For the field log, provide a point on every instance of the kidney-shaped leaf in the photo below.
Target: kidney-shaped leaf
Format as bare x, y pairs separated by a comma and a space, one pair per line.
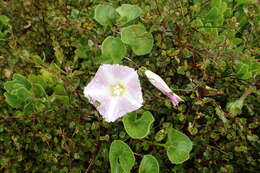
138, 128
105, 14
149, 164
113, 48
138, 38
121, 157
128, 13
178, 146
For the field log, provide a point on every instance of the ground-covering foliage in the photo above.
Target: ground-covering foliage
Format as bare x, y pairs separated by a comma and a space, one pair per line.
206, 50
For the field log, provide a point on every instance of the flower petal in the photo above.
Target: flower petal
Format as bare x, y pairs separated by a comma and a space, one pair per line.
120, 72
112, 107
99, 82
159, 83
175, 99
121, 108
134, 91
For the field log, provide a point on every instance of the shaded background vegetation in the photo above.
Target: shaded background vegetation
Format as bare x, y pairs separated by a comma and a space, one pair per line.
205, 50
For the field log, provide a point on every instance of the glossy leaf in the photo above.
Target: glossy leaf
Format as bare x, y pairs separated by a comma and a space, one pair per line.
105, 14
37, 79
121, 157
138, 128
235, 108
113, 48
22, 80
178, 146
38, 90
149, 164
128, 13
12, 100
246, 69
11, 85
4, 20
29, 108
21, 93
61, 99
138, 38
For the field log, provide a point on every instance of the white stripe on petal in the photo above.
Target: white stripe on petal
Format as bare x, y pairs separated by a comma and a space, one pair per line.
134, 101
111, 114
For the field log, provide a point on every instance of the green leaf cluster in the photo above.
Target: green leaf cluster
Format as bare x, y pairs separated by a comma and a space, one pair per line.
136, 36
30, 94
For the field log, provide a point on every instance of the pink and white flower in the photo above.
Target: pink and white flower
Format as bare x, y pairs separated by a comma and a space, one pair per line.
114, 91
159, 83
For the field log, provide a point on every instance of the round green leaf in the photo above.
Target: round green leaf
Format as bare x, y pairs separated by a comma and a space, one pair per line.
12, 85
149, 164
128, 13
138, 128
235, 108
17, 82
28, 108
22, 80
22, 93
121, 157
246, 69
113, 48
4, 20
105, 14
61, 99
12, 100
138, 38
37, 79
178, 146
38, 90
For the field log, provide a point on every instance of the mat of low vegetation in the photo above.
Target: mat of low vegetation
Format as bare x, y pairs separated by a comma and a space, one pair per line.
203, 55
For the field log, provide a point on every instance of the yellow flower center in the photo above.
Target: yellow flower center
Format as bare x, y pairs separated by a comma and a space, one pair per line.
118, 89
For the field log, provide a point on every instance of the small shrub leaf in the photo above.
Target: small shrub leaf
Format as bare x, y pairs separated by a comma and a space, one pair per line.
12, 100
22, 80
235, 108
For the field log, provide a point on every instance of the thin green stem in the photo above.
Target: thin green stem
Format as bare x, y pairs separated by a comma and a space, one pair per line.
155, 143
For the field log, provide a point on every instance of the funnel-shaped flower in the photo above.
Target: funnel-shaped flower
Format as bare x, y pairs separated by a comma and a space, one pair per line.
114, 91
159, 83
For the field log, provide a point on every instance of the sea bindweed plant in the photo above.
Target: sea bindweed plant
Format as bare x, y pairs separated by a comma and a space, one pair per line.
115, 91
205, 49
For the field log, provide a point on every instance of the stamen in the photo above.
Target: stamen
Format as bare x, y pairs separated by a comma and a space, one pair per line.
118, 89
